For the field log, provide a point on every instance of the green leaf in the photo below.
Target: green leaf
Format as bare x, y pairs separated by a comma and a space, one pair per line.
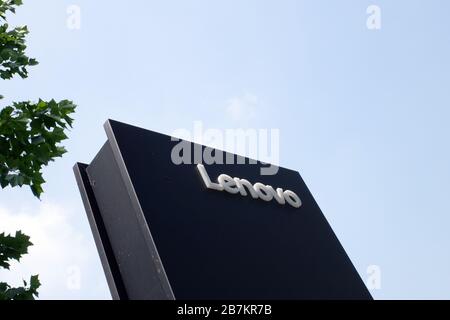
20, 293
13, 247
37, 139
13, 59
30, 138
34, 282
37, 190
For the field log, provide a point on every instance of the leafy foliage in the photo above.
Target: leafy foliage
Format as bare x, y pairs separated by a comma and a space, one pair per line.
30, 134
12, 248
8, 5
27, 292
30, 137
13, 59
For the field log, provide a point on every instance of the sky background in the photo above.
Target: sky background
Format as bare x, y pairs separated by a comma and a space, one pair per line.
363, 116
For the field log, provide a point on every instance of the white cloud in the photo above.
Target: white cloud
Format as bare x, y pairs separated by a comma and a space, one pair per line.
63, 255
243, 107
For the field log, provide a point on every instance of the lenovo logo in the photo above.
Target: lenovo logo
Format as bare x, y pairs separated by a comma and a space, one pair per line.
244, 187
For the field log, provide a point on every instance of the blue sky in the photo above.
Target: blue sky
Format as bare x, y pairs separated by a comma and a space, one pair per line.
363, 116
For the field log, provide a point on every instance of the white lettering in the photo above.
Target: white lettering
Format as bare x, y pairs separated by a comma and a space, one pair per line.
228, 184
242, 186
207, 180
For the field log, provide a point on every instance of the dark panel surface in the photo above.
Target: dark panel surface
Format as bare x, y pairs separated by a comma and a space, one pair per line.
215, 245
109, 263
138, 265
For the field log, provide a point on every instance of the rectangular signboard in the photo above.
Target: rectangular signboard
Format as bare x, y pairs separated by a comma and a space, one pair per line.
207, 231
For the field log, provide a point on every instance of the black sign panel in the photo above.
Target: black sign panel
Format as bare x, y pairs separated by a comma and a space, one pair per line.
162, 234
